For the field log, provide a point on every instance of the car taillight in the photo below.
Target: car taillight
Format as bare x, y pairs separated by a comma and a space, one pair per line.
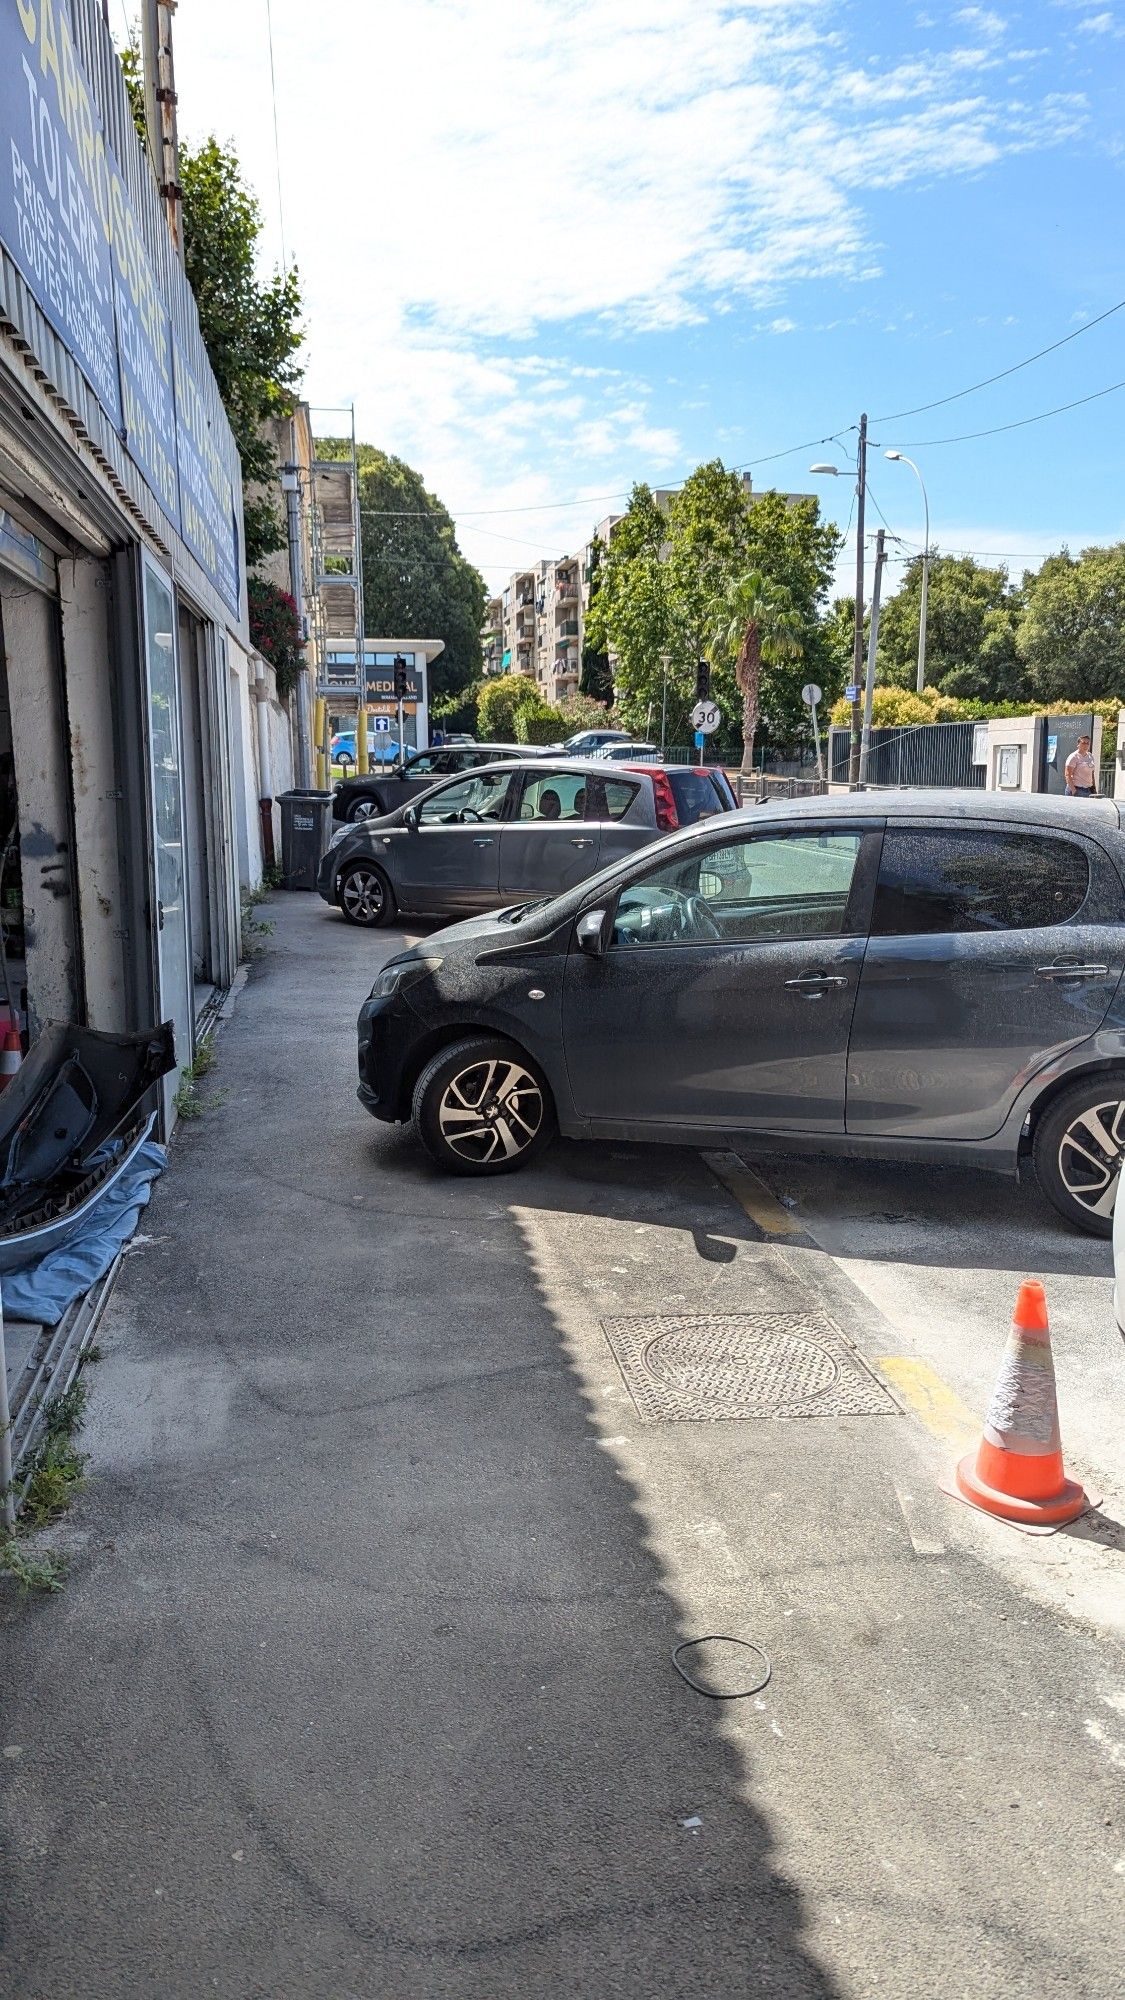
663, 797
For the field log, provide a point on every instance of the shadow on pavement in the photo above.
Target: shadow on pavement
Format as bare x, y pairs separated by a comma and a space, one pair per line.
362, 1681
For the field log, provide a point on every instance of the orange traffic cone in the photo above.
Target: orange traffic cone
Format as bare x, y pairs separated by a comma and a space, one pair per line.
1017, 1472
11, 1055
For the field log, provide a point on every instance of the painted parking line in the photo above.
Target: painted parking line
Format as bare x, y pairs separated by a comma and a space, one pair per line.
752, 1195
921, 1388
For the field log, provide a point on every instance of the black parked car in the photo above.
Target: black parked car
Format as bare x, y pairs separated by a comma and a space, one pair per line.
926, 975
508, 833
384, 791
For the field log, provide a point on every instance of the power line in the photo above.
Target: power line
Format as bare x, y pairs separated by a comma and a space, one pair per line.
966, 437
941, 401
276, 141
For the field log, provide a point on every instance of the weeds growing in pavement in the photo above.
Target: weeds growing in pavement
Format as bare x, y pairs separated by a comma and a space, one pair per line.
59, 1472
254, 929
187, 1101
46, 1572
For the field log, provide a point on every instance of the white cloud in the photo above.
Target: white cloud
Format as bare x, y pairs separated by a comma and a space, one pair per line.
982, 19
462, 177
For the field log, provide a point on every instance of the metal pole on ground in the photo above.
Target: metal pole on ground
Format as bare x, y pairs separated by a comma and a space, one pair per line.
856, 690
7, 1493
869, 687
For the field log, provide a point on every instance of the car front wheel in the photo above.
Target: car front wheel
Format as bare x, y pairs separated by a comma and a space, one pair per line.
365, 895
362, 808
1078, 1150
482, 1107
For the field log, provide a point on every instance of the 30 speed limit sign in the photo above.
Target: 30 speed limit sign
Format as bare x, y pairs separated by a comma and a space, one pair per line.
706, 717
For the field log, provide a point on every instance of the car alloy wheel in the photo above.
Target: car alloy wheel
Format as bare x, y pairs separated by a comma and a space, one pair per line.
1090, 1153
490, 1111
362, 809
363, 895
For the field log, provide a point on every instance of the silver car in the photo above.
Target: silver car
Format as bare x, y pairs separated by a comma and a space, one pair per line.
510, 833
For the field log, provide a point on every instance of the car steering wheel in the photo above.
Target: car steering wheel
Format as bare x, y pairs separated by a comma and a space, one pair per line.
697, 919
469, 816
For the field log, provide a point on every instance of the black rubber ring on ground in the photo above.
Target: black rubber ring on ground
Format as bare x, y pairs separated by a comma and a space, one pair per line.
723, 1639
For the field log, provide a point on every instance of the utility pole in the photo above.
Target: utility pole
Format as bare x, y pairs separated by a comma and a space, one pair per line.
869, 688
160, 111
291, 487
857, 646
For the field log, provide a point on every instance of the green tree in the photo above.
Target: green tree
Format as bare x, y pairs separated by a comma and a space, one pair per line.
755, 625
499, 704
971, 624
416, 582
665, 573
595, 679
791, 547
635, 614
1072, 632
251, 329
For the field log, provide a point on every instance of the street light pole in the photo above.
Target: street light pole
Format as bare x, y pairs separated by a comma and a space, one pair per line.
901, 458
857, 648
869, 684
857, 641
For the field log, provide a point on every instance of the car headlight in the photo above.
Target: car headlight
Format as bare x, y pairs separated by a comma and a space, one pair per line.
340, 834
400, 973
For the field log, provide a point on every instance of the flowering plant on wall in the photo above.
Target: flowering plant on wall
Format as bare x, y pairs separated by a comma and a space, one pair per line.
275, 630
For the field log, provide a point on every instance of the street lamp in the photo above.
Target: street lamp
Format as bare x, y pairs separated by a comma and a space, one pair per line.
833, 471
901, 458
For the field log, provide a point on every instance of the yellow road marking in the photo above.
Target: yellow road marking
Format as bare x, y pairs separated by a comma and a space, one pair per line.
752, 1194
923, 1390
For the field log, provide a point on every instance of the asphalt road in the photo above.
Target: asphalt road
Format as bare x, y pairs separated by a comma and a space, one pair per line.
362, 1684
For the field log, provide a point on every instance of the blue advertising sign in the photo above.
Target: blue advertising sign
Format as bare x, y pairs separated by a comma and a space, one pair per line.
55, 200
147, 400
207, 508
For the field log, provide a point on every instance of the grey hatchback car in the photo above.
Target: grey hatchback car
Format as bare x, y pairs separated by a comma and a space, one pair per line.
509, 832
932, 976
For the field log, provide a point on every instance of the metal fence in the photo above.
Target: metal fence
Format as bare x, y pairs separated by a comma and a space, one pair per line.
927, 753
766, 785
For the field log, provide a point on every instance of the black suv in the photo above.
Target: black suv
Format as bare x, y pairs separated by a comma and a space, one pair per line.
383, 792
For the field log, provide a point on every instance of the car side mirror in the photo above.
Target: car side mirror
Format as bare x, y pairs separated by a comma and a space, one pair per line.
589, 934
410, 818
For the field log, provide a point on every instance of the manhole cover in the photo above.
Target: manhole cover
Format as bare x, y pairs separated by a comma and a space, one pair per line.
714, 1366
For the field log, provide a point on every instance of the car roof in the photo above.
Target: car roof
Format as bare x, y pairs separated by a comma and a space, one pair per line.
1035, 808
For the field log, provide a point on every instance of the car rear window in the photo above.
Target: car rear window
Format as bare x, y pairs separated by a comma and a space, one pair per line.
617, 797
697, 796
972, 879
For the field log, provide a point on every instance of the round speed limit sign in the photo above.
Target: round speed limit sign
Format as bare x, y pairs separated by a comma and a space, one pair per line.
706, 717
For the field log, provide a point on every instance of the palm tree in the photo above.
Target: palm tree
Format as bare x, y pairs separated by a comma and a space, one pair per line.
755, 626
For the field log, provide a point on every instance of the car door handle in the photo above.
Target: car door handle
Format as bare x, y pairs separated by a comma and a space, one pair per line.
489, 840
1070, 971
813, 985
579, 841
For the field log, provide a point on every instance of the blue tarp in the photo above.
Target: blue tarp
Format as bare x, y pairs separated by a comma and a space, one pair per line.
44, 1289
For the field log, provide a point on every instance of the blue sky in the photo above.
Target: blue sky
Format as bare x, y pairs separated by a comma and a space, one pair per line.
555, 246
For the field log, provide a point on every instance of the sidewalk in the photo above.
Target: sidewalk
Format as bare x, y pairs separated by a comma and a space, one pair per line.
361, 1685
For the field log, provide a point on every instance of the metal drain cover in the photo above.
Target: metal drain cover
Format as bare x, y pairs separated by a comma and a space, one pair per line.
711, 1367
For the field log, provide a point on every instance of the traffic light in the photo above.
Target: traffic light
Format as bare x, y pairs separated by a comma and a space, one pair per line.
401, 689
703, 680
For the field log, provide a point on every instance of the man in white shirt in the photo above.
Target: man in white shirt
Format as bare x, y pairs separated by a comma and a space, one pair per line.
1080, 773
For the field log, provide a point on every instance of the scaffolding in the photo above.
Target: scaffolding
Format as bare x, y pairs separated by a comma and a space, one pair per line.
335, 597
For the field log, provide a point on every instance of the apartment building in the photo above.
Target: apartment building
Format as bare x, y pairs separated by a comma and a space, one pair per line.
536, 624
